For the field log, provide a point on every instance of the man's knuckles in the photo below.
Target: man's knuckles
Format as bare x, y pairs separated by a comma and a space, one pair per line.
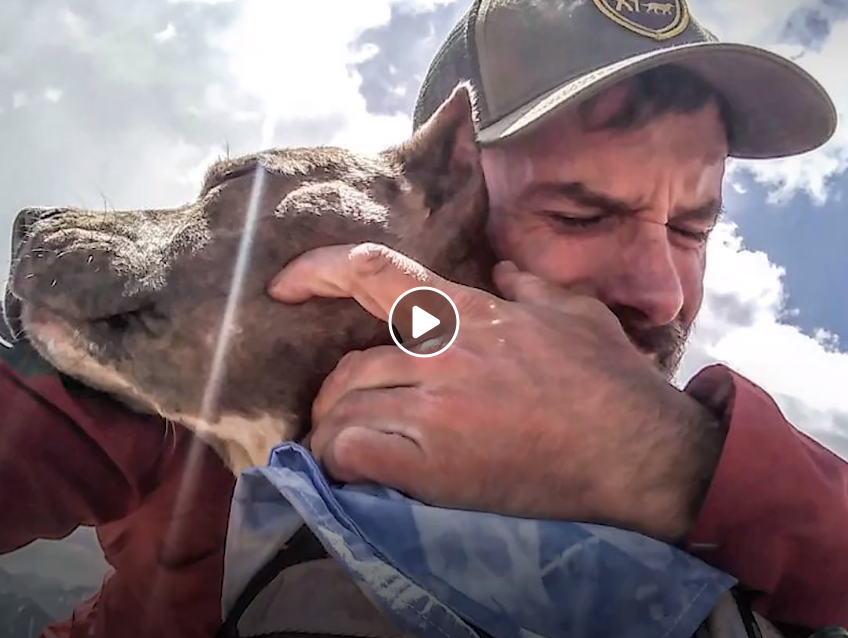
578, 302
348, 366
336, 382
382, 409
346, 455
525, 287
372, 262
587, 307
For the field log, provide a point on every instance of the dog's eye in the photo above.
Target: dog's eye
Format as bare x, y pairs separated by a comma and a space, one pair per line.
118, 323
147, 319
218, 176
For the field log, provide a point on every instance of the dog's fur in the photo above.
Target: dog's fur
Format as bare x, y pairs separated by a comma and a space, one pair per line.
132, 303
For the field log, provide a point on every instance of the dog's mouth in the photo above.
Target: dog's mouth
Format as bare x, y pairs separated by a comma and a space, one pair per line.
148, 320
93, 334
81, 351
12, 309
47, 329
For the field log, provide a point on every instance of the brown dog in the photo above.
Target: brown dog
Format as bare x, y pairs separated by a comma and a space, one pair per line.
135, 303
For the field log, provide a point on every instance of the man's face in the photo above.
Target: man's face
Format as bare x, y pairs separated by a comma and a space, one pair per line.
620, 215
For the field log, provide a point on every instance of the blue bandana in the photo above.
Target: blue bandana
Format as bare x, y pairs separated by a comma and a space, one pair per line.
436, 572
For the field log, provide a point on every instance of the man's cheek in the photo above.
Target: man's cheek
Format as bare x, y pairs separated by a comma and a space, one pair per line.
691, 272
569, 261
509, 237
535, 251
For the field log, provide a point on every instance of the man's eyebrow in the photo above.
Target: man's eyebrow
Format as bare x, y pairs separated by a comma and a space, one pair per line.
711, 211
582, 195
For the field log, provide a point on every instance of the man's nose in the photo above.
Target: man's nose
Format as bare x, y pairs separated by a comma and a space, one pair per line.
646, 277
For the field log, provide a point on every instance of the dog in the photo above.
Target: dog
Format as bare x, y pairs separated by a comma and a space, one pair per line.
136, 303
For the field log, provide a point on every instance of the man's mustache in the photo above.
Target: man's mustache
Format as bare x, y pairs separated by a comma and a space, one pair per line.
666, 342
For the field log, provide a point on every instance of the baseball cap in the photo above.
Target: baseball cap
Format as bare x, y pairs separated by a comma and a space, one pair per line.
526, 58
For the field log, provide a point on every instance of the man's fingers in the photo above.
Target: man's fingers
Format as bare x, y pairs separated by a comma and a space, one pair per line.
370, 435
378, 367
524, 287
373, 274
359, 454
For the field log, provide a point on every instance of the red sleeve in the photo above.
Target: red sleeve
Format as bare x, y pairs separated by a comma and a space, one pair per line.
67, 455
776, 514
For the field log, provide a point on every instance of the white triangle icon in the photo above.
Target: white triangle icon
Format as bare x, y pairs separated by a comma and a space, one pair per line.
422, 321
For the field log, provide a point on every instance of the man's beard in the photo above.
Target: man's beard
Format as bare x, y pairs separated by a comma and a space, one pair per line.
666, 343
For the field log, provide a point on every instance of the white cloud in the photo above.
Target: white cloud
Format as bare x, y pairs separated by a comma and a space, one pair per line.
748, 22
811, 171
741, 325
19, 99
53, 94
745, 21
297, 60
168, 33
75, 26
299, 64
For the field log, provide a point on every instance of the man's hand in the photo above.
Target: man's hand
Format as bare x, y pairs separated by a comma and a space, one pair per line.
542, 407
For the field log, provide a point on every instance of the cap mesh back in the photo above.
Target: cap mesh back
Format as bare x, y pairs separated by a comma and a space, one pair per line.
455, 62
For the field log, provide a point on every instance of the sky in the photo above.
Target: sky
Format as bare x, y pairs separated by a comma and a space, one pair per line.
123, 105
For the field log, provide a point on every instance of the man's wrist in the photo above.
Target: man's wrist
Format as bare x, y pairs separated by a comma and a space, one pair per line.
703, 443
678, 469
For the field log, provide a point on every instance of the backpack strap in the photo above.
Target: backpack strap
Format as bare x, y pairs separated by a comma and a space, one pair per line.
301, 548
734, 617
302, 592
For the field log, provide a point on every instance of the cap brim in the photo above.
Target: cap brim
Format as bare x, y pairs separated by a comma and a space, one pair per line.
778, 109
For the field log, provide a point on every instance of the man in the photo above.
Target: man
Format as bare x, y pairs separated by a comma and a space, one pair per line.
71, 456
604, 166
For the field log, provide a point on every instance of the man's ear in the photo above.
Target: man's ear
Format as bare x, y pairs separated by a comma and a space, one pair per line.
442, 156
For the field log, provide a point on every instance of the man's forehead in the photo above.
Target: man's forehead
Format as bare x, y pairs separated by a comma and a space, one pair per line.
620, 170
596, 124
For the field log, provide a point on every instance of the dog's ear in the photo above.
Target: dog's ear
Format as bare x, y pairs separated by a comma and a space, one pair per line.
442, 156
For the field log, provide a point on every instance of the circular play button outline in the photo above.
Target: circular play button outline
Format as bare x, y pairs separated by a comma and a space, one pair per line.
443, 348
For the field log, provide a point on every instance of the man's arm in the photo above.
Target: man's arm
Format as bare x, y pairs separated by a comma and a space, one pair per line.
546, 389
776, 514
65, 457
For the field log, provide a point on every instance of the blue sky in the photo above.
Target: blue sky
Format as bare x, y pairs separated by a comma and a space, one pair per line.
808, 240
803, 234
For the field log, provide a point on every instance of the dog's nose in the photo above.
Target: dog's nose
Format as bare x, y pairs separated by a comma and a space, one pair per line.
25, 219
10, 327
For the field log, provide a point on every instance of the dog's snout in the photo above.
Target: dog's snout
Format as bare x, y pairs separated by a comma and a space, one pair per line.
26, 218
22, 267
21, 227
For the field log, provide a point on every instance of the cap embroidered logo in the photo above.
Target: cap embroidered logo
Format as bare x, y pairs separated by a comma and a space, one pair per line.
657, 20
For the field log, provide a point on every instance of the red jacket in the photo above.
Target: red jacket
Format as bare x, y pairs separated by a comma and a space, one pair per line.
776, 516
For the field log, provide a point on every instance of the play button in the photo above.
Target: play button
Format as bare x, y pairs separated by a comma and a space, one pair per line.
423, 322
